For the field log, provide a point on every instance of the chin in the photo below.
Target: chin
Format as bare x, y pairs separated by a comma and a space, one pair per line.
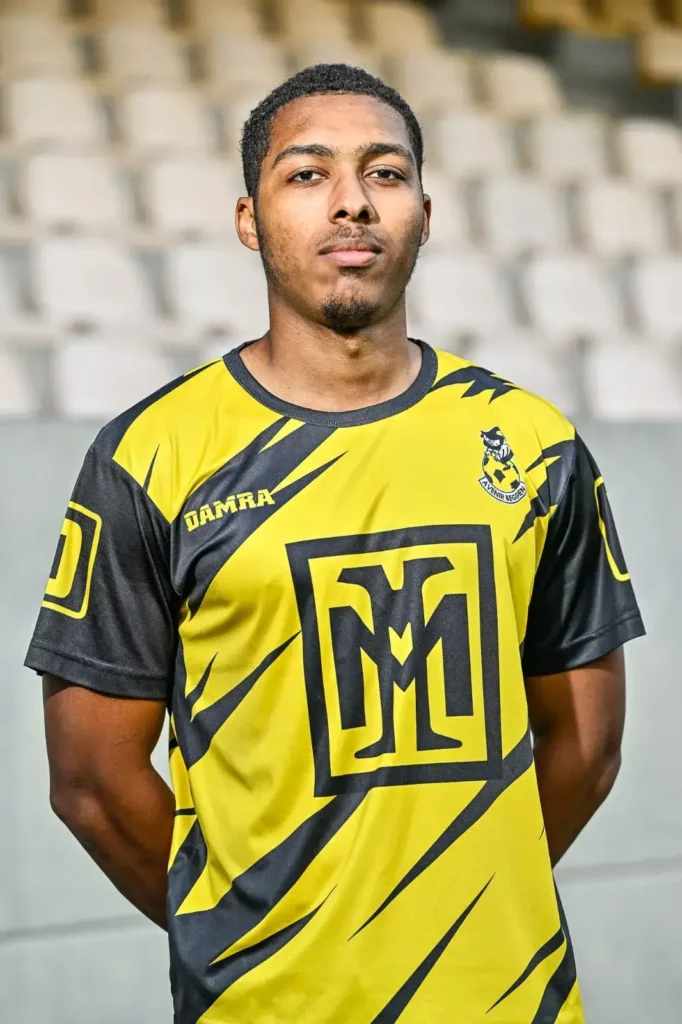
348, 316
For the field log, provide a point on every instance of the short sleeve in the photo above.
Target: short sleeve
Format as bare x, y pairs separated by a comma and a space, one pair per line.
583, 605
108, 617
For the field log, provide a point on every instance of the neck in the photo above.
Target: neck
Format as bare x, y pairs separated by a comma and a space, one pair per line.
312, 366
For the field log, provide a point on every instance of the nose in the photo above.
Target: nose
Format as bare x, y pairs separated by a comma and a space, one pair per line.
350, 201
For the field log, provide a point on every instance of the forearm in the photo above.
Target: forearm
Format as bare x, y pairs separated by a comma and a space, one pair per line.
127, 831
572, 788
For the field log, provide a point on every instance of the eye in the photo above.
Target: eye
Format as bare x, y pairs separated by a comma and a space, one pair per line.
387, 174
306, 175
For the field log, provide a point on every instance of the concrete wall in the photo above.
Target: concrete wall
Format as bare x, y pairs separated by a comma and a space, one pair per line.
73, 952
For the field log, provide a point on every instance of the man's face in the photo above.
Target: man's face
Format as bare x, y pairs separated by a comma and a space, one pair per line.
340, 213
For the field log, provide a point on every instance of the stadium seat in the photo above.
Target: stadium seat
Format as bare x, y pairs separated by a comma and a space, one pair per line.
619, 219
568, 147
334, 51
522, 359
46, 109
96, 379
659, 54
629, 15
31, 43
131, 54
65, 191
650, 151
433, 81
472, 145
238, 16
628, 380
17, 397
89, 283
569, 297
451, 297
46, 8
300, 20
216, 288
398, 26
188, 195
238, 65
449, 220
657, 296
566, 13
518, 86
144, 12
158, 118
521, 215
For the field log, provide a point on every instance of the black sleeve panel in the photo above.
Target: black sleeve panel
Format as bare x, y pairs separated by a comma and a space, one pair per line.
583, 604
108, 619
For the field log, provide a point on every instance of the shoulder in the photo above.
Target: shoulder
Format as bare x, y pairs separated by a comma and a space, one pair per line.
178, 435
542, 438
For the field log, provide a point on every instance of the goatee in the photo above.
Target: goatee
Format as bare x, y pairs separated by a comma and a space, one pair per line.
348, 316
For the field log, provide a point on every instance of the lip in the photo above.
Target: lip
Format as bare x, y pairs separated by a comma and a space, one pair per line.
353, 257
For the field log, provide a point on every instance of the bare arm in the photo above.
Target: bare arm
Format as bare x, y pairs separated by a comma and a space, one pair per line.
106, 791
577, 718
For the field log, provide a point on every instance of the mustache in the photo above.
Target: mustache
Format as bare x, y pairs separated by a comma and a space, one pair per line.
372, 239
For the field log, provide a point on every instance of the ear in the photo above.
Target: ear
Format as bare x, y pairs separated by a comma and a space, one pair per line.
426, 229
245, 222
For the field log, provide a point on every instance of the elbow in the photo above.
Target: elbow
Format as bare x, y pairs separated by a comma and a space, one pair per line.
75, 803
605, 775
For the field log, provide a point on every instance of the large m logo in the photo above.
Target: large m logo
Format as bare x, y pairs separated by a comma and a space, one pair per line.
400, 656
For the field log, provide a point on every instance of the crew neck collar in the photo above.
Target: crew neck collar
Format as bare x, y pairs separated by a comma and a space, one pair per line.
422, 384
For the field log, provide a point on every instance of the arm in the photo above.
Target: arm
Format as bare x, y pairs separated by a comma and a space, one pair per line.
106, 791
577, 718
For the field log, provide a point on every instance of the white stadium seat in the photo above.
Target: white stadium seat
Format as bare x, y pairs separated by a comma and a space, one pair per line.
66, 191
96, 379
89, 283
313, 19
31, 43
133, 54
158, 118
192, 195
630, 380
243, 64
17, 397
518, 86
473, 145
398, 26
619, 219
217, 288
522, 359
334, 51
568, 147
46, 109
238, 16
651, 151
458, 296
657, 296
520, 214
569, 297
433, 81
449, 219
145, 12
46, 8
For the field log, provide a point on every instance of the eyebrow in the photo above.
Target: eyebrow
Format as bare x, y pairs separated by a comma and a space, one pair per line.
371, 149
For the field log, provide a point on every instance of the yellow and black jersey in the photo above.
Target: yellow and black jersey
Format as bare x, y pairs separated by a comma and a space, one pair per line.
339, 609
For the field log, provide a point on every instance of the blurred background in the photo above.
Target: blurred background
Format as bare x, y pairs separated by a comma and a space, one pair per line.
554, 159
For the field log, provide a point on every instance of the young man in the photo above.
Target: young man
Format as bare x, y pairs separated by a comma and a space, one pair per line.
358, 572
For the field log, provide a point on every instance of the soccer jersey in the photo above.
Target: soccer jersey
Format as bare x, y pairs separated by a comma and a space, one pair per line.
339, 610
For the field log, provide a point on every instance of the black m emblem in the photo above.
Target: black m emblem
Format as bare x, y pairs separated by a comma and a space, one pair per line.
400, 656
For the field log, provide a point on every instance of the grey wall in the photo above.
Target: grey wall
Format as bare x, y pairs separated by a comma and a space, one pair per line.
73, 952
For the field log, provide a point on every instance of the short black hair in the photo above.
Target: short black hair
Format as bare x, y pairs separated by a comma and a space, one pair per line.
317, 80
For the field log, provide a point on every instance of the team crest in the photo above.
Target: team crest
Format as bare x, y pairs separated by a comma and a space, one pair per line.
501, 478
